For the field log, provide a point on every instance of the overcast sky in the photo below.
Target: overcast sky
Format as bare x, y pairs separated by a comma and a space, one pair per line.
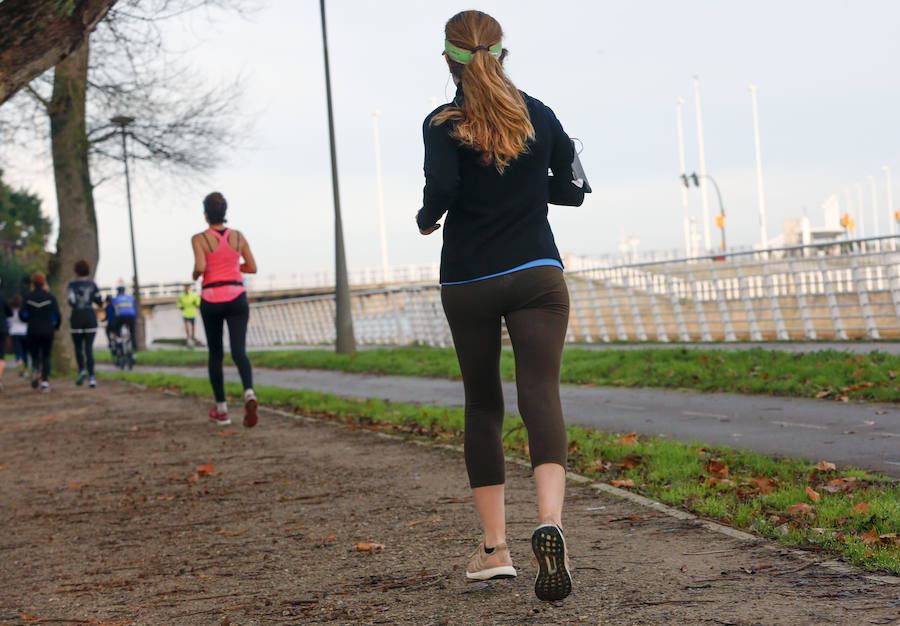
829, 109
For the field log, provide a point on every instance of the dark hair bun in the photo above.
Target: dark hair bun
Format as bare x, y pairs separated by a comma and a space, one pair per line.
215, 206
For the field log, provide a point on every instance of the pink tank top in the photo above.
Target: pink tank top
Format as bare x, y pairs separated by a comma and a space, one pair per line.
222, 280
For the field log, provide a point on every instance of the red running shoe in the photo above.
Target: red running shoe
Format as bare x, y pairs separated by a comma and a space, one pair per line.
221, 419
250, 417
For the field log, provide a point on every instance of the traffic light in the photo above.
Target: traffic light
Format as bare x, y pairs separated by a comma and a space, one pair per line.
684, 179
897, 215
720, 221
696, 180
845, 220
851, 224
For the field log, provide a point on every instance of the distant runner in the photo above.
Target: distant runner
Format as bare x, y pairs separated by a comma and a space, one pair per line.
82, 294
41, 312
5, 312
17, 330
217, 257
188, 303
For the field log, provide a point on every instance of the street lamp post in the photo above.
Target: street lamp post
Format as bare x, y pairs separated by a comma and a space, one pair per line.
122, 121
344, 341
702, 155
720, 220
688, 248
759, 176
384, 254
892, 217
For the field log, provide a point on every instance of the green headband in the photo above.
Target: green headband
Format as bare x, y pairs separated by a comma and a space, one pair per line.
465, 56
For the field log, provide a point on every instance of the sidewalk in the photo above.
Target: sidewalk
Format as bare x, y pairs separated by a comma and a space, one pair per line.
107, 518
863, 435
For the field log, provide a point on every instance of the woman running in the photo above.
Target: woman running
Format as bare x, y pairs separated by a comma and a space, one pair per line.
217, 257
82, 294
41, 312
487, 155
17, 331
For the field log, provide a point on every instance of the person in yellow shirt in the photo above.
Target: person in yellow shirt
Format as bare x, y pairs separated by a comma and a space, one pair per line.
188, 303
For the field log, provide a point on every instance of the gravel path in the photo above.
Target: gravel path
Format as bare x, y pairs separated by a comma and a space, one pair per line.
103, 521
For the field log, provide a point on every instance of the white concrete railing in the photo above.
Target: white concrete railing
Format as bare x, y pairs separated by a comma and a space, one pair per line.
830, 291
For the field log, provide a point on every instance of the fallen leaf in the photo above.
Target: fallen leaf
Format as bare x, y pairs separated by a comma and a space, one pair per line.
812, 494
75, 485
800, 507
824, 466
718, 481
862, 508
133, 429
165, 497
622, 483
2, 467
28, 617
836, 485
205, 470
628, 440
765, 485
716, 466
880, 412
869, 537
823, 394
684, 568
892, 373
368, 547
193, 478
227, 433
328, 539
631, 461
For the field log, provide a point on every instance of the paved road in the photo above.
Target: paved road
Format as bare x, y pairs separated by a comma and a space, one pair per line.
865, 435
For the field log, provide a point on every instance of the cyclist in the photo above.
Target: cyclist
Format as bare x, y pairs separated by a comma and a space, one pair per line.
82, 294
125, 315
188, 303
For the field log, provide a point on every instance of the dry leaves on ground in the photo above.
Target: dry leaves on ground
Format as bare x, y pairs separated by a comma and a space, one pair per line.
628, 440
367, 546
862, 508
716, 467
765, 485
622, 483
801, 508
824, 466
813, 495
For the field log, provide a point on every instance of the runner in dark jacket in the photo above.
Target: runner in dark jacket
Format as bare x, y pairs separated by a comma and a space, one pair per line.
41, 312
82, 294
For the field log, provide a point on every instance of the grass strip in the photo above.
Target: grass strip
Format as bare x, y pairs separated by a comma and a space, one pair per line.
846, 512
825, 374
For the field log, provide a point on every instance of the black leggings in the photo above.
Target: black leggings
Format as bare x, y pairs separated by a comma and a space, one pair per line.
41, 346
236, 312
535, 304
84, 349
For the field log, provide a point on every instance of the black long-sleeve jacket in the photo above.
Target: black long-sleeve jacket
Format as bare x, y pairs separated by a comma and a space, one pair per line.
41, 312
495, 221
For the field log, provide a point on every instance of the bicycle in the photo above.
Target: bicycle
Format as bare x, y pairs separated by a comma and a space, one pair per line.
122, 350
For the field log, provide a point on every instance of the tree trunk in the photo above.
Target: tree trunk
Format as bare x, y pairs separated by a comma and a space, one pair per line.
36, 35
74, 192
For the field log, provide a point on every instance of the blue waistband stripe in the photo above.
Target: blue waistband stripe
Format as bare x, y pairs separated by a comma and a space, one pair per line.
524, 266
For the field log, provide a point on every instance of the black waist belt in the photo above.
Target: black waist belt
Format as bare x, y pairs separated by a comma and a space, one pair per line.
223, 283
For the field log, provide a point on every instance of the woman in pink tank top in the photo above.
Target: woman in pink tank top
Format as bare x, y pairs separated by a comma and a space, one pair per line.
217, 258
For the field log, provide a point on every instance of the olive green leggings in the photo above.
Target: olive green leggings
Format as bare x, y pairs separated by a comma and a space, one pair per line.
535, 304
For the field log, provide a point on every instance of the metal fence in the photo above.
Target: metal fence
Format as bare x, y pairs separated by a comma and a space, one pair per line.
833, 291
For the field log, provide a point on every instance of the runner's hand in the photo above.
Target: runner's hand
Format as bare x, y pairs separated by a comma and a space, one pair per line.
430, 229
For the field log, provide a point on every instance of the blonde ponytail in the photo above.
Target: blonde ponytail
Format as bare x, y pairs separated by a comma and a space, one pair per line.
492, 118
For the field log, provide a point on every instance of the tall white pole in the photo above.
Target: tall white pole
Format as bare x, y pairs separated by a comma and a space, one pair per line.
384, 254
759, 177
861, 208
876, 231
892, 219
688, 247
703, 196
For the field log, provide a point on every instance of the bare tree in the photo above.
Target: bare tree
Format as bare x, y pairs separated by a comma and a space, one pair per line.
181, 126
35, 35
